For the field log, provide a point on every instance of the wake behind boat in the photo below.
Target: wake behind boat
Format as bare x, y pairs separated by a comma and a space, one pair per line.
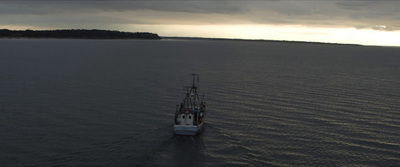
189, 115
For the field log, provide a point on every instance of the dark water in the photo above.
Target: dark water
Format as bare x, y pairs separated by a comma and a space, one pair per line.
111, 103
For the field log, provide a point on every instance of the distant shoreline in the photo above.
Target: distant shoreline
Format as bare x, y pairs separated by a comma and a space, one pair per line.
109, 34
76, 34
259, 40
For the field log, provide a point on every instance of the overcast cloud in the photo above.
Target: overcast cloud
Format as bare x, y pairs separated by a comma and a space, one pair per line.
378, 15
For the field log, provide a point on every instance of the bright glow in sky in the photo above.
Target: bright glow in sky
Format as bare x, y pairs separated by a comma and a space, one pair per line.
274, 32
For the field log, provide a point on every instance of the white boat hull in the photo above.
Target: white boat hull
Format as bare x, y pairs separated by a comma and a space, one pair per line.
188, 129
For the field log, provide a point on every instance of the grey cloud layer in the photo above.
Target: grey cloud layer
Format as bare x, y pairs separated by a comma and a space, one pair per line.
381, 15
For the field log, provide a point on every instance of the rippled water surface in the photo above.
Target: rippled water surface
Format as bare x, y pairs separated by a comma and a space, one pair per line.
111, 103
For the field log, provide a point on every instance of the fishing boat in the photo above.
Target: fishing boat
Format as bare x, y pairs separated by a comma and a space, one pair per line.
189, 115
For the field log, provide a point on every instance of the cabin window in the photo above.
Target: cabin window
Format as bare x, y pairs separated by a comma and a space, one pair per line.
190, 117
183, 117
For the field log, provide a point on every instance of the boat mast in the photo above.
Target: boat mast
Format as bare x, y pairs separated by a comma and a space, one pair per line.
194, 88
194, 80
191, 93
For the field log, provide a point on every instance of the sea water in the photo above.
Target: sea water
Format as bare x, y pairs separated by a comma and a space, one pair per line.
70, 102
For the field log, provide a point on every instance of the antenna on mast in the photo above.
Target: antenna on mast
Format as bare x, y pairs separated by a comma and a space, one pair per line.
194, 79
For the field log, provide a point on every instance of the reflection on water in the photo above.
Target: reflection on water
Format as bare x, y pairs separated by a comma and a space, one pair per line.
188, 150
180, 151
112, 103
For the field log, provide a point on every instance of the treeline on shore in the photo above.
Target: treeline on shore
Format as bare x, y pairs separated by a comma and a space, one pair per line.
76, 33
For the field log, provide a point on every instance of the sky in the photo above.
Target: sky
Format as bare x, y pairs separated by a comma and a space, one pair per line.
351, 21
